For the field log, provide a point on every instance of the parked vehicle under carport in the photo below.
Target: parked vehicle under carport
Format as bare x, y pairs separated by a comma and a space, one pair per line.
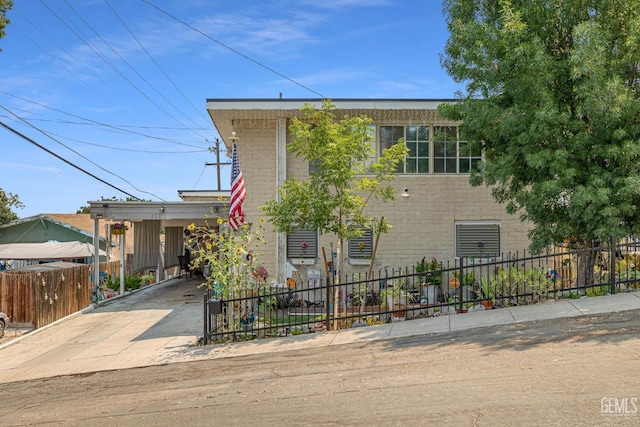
4, 320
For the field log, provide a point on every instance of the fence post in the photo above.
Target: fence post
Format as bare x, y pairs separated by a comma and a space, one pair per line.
460, 281
206, 323
612, 266
326, 303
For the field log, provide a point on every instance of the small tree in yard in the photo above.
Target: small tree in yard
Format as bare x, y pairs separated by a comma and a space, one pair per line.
553, 94
229, 255
345, 178
8, 201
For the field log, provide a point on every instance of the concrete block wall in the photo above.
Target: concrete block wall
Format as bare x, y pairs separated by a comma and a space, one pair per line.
423, 225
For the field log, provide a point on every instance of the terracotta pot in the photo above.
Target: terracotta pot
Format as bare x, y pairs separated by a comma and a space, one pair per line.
487, 303
400, 310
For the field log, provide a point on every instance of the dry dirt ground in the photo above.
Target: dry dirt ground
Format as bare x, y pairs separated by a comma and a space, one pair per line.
12, 333
582, 371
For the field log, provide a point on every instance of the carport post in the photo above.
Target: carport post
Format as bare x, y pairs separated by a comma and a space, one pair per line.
96, 259
122, 243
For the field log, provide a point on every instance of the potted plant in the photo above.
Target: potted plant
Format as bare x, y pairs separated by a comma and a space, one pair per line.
485, 292
395, 297
118, 228
468, 283
147, 279
430, 276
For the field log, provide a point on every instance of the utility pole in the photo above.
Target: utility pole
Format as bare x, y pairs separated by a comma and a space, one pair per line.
217, 163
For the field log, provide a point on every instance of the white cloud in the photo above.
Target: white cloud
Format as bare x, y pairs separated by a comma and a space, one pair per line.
21, 167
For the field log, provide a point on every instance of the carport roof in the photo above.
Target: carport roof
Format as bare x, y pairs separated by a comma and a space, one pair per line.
167, 212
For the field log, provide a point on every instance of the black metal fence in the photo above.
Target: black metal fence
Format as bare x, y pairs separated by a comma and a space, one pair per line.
430, 288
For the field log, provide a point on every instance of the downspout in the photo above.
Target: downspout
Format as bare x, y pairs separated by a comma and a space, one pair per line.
281, 171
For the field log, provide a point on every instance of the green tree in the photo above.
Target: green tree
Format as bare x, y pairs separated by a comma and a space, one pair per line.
8, 201
552, 98
5, 6
344, 179
224, 252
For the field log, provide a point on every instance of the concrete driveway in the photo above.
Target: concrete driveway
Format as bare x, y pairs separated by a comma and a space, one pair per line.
151, 326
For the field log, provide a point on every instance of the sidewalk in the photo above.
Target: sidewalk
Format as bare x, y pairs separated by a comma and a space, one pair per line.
159, 324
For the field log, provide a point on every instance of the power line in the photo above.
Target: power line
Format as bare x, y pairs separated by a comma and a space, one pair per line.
155, 62
26, 138
94, 122
74, 151
234, 50
143, 78
110, 64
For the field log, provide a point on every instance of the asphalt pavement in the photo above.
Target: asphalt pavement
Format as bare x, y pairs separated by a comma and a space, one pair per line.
161, 324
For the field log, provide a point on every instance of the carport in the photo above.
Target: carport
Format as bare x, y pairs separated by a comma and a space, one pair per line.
149, 218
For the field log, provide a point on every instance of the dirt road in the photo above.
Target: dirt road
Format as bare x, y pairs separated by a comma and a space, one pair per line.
578, 371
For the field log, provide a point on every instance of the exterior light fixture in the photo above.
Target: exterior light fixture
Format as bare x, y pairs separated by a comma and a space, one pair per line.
405, 193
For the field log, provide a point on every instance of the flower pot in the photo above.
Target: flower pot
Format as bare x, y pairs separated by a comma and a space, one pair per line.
399, 310
117, 231
429, 294
487, 303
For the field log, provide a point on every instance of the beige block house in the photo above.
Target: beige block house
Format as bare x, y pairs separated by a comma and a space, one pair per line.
436, 212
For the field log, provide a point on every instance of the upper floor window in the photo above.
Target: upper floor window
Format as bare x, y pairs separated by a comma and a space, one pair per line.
416, 139
445, 149
436, 149
371, 140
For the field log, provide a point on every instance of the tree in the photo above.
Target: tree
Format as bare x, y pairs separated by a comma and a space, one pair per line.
552, 98
5, 6
344, 178
8, 201
224, 252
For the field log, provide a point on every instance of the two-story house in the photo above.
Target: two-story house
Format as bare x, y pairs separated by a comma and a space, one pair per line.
437, 213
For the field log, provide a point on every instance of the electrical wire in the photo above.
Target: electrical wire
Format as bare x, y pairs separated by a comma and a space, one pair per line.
75, 152
197, 110
110, 64
248, 58
26, 138
143, 78
95, 122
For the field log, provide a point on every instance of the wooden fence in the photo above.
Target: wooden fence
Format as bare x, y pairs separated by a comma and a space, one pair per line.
40, 297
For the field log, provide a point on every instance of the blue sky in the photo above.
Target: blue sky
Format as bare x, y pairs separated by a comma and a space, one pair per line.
118, 88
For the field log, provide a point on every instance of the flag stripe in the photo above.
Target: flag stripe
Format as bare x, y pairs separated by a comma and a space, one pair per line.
238, 192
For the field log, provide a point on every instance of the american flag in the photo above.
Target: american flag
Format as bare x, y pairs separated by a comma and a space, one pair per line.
238, 193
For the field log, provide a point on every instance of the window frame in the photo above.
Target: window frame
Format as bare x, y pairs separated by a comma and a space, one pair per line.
455, 158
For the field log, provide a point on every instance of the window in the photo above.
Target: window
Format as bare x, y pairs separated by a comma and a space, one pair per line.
469, 157
389, 136
314, 165
445, 149
371, 140
478, 240
361, 247
302, 244
450, 155
417, 140
440, 151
